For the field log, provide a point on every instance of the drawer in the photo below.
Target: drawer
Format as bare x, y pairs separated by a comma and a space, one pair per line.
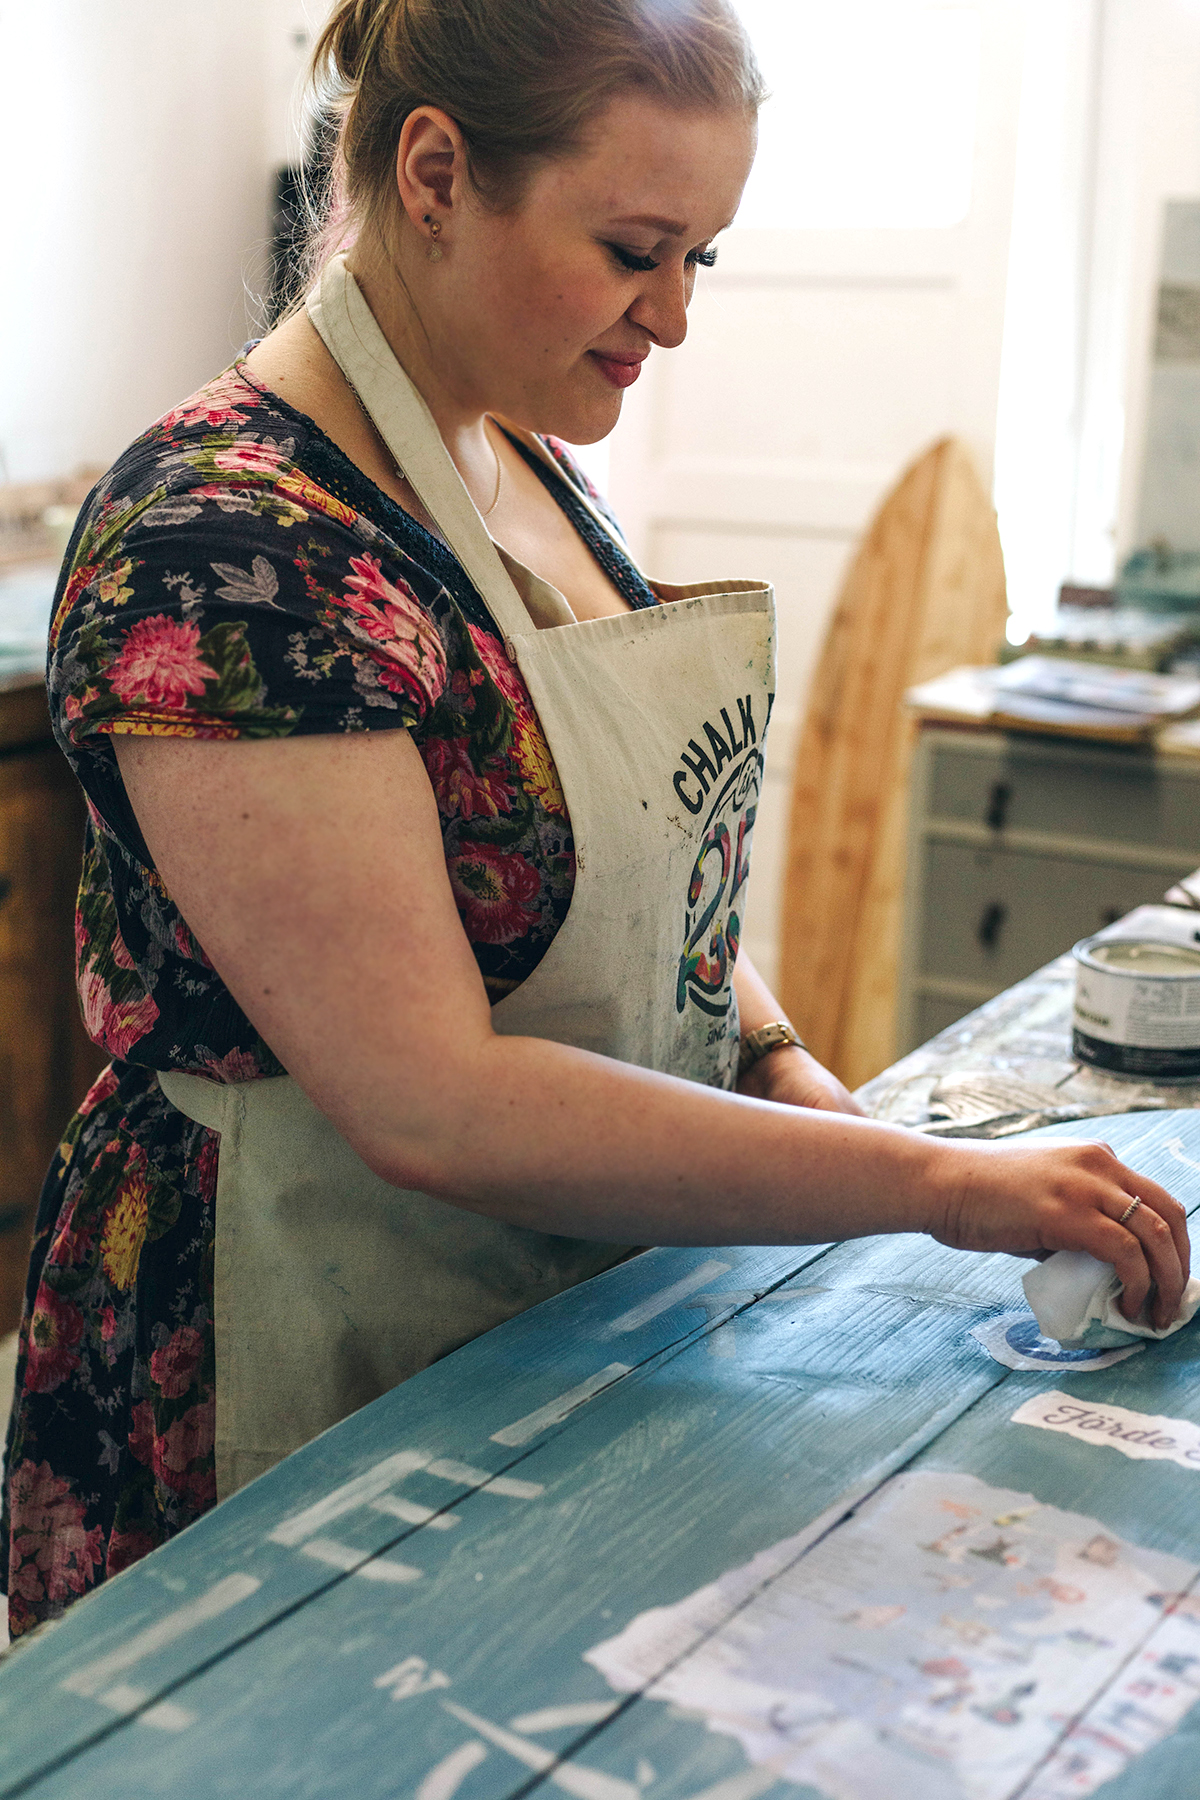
993, 916
1123, 796
933, 1013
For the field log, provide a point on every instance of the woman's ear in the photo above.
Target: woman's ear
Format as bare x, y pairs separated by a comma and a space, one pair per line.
431, 162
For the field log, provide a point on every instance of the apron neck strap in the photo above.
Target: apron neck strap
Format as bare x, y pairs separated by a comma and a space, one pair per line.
348, 329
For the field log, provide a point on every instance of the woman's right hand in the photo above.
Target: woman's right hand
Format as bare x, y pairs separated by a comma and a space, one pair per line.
1034, 1199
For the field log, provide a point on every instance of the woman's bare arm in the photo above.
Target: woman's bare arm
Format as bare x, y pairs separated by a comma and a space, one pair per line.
789, 1075
312, 871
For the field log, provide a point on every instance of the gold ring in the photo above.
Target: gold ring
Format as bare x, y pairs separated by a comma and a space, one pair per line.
1129, 1210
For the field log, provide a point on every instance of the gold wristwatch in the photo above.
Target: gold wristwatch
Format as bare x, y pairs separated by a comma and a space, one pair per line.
760, 1043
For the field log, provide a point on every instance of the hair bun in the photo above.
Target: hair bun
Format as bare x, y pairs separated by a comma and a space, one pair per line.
521, 79
350, 37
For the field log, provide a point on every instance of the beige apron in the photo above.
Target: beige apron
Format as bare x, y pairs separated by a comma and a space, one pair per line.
331, 1284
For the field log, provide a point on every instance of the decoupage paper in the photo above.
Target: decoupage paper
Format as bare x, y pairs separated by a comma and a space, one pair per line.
1014, 1339
951, 1641
1143, 1436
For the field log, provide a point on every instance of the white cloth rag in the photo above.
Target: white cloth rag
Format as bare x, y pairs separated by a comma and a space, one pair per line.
1074, 1298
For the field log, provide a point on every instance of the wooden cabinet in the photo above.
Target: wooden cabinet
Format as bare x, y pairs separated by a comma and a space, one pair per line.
46, 1060
1018, 847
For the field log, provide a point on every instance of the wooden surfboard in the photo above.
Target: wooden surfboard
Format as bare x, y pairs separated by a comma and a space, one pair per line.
925, 592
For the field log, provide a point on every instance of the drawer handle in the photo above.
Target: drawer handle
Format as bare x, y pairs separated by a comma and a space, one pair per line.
991, 921
5, 888
996, 816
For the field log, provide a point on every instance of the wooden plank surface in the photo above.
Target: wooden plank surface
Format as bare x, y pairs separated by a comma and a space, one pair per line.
615, 1323
741, 1422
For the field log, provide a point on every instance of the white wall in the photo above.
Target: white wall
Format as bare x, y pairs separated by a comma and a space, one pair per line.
1046, 305
1110, 130
137, 140
1153, 148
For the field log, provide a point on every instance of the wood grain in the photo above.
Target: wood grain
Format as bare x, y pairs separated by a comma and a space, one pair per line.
925, 592
450, 1410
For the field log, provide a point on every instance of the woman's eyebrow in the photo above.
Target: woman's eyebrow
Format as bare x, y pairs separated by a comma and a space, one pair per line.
668, 227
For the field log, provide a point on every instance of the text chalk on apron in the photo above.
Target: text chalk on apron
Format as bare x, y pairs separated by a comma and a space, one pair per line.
331, 1285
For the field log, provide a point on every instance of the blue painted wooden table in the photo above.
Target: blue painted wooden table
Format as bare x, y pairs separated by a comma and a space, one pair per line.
407, 1606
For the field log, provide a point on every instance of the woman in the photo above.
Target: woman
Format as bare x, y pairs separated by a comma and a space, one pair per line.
402, 781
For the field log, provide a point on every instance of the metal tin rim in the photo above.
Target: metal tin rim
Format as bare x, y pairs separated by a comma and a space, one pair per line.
1082, 952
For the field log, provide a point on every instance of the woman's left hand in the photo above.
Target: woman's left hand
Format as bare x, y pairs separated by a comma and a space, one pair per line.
791, 1077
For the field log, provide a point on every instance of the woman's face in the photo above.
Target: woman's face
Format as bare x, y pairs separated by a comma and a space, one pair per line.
544, 314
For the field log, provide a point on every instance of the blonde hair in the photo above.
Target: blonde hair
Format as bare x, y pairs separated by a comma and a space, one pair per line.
522, 79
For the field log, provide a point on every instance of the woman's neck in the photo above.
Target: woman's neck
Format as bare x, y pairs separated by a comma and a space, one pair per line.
461, 420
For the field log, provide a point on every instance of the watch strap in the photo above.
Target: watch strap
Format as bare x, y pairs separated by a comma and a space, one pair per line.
760, 1043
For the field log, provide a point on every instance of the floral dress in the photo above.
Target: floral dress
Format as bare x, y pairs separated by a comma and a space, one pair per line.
233, 575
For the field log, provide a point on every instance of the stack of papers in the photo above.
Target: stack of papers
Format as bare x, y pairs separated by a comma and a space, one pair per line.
1117, 636
1044, 693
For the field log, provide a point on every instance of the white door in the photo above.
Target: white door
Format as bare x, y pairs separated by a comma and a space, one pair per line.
855, 315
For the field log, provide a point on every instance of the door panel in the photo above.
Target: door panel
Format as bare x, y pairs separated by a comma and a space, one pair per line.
872, 371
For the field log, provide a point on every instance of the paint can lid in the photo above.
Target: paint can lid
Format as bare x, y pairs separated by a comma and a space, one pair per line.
1139, 956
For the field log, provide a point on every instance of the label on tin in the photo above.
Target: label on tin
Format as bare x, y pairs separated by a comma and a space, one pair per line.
1153, 1014
1129, 1059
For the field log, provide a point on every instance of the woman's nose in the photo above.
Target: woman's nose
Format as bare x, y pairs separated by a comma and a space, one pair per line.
661, 307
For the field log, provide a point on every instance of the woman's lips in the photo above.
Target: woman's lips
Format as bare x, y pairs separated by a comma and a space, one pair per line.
622, 371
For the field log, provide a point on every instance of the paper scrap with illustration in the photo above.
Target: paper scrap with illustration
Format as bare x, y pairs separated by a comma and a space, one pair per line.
938, 1646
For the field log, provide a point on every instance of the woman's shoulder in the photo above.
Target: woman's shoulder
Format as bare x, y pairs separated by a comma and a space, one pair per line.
233, 467
235, 573
232, 451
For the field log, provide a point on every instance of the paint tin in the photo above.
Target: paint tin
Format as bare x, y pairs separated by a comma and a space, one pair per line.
1137, 1007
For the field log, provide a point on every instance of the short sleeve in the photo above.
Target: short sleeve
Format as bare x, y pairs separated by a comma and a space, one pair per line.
258, 608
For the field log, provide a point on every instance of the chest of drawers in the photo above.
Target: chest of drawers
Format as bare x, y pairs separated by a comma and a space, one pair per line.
46, 1061
1018, 846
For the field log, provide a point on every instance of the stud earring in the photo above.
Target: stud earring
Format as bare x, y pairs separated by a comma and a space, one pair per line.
434, 252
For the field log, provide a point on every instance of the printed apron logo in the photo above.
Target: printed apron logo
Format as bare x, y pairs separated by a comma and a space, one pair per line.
722, 782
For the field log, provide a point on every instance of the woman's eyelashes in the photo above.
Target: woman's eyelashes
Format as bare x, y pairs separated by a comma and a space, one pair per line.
629, 259
642, 265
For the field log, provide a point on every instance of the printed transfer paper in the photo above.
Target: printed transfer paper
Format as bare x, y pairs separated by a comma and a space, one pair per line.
951, 1641
1144, 1436
1014, 1339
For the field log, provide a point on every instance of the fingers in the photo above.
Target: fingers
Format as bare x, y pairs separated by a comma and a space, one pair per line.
1143, 1253
1156, 1253
1161, 1258
1144, 1261
1115, 1244
1168, 1207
